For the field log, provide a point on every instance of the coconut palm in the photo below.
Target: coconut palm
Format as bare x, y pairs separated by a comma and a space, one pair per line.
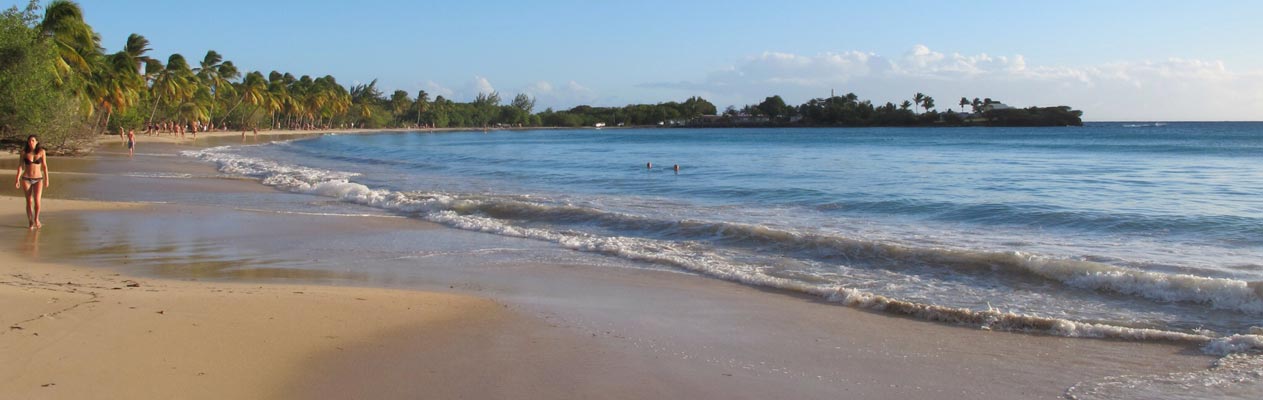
215, 73
339, 100
362, 99
918, 99
254, 91
175, 83
963, 102
423, 100
135, 49
74, 40
115, 84
399, 104
196, 108
277, 94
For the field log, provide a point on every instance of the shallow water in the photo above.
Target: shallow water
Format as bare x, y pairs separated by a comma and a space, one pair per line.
1118, 230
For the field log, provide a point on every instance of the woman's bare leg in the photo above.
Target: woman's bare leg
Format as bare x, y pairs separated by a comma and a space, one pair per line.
38, 194
28, 189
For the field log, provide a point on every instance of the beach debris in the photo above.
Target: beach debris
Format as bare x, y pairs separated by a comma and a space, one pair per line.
131, 283
48, 384
164, 312
15, 327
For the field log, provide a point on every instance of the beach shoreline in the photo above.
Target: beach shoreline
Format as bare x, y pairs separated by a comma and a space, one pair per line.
536, 331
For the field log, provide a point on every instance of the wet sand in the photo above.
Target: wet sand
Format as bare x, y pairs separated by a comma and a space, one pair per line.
243, 317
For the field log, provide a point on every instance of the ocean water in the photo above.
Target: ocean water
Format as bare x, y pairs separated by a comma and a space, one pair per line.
1121, 230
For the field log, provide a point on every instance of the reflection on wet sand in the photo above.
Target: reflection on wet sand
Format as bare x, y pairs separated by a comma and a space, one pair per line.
165, 246
30, 247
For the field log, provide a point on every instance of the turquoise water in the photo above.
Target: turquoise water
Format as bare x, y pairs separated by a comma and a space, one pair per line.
1112, 229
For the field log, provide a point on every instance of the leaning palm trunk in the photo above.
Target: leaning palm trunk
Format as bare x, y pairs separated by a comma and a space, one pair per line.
105, 128
155, 108
230, 110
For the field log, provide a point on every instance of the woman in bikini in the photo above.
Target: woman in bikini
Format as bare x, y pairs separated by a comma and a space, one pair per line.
32, 178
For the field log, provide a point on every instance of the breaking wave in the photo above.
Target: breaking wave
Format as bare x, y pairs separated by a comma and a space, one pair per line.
682, 244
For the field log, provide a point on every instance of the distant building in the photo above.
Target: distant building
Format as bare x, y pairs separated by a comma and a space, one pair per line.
995, 105
728, 120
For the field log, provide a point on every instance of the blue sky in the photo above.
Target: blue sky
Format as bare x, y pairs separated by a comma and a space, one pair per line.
1116, 60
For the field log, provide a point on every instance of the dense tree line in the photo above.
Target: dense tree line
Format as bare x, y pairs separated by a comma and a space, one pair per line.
635, 114
66, 87
849, 110
57, 81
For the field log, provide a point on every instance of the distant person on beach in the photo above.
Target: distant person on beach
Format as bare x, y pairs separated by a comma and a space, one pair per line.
649, 165
131, 142
32, 178
676, 168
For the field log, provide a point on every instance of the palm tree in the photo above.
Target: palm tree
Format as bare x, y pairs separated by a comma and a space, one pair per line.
174, 82
927, 103
215, 73
362, 99
254, 91
399, 103
277, 93
194, 108
316, 98
918, 98
135, 49
73, 39
339, 99
423, 100
977, 104
115, 84
963, 102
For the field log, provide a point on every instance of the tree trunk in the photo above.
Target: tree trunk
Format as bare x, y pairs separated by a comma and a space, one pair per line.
155, 108
230, 110
214, 99
106, 127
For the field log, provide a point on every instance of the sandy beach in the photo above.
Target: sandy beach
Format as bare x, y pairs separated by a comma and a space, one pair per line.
132, 292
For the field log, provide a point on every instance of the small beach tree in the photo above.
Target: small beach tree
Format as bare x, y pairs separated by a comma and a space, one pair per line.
423, 100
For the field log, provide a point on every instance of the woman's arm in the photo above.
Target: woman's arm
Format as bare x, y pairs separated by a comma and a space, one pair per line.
18, 181
44, 165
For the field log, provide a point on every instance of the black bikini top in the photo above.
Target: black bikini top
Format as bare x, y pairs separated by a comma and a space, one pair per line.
29, 161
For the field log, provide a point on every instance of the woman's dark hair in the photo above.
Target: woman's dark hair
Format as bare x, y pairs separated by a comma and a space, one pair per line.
26, 147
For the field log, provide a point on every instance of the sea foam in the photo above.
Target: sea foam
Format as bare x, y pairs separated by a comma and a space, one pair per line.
490, 214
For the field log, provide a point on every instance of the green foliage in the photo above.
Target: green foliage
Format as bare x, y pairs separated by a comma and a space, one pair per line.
1035, 116
56, 81
33, 102
774, 108
696, 106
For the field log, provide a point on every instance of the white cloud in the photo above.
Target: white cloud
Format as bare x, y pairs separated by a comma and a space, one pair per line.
1173, 89
548, 95
435, 90
480, 85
